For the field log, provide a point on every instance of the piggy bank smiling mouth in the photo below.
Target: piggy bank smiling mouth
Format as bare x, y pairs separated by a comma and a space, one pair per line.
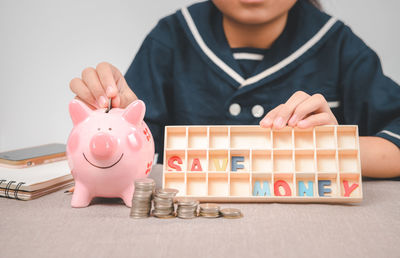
115, 163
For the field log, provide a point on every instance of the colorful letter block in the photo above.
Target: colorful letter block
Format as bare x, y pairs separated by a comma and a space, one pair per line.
235, 165
196, 165
261, 191
173, 160
285, 186
321, 187
303, 190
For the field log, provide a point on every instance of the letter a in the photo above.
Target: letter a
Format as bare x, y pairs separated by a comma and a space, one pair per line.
196, 165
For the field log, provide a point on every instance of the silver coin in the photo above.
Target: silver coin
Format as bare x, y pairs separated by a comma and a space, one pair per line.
231, 212
186, 212
145, 180
141, 198
209, 207
139, 217
186, 217
158, 214
209, 216
159, 199
166, 192
165, 217
188, 202
158, 207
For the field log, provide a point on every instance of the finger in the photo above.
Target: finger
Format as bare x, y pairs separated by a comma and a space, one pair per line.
90, 78
82, 92
315, 104
286, 112
87, 104
107, 79
267, 121
116, 101
126, 95
317, 119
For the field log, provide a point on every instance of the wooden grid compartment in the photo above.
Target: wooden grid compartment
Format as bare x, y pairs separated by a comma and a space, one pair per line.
328, 185
176, 138
306, 185
254, 164
283, 139
350, 185
240, 184
261, 184
261, 161
325, 137
346, 137
349, 161
196, 184
197, 160
304, 161
304, 139
284, 185
218, 185
198, 137
326, 161
282, 161
218, 160
175, 180
219, 137
250, 137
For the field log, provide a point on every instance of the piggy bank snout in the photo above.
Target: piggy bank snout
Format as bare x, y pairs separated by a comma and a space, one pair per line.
103, 145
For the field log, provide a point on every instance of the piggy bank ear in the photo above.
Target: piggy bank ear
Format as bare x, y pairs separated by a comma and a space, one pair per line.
134, 113
78, 111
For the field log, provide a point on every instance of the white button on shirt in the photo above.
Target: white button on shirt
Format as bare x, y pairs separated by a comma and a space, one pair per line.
257, 111
234, 109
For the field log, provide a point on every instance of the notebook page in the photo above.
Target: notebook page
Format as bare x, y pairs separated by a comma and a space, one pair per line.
36, 175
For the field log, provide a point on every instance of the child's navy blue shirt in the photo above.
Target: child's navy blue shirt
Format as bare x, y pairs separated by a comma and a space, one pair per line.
187, 74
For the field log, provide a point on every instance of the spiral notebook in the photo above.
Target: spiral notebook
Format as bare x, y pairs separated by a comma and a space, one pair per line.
33, 182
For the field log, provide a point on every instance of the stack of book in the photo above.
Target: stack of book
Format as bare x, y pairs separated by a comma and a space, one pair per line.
32, 182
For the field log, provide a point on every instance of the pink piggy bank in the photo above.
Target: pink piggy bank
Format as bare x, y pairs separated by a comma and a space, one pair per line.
108, 151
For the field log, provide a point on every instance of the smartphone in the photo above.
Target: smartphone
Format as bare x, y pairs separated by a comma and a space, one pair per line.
33, 155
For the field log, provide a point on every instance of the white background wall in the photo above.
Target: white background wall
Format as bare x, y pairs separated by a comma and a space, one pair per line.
45, 43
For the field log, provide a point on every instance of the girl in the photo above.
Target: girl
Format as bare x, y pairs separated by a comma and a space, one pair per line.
274, 62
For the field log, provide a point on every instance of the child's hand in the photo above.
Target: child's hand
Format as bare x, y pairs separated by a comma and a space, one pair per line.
99, 84
302, 111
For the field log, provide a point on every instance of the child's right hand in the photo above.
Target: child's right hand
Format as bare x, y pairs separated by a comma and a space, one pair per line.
99, 84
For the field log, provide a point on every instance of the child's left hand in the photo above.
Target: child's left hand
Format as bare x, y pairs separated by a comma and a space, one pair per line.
300, 110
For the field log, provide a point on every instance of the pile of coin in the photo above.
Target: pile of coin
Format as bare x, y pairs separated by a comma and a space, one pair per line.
231, 213
164, 203
209, 210
187, 208
141, 200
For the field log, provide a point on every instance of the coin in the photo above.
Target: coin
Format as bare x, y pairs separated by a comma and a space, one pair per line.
187, 208
164, 203
209, 207
109, 105
166, 192
209, 210
231, 213
141, 199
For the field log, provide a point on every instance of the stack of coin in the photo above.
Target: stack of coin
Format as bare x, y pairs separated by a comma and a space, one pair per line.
164, 203
187, 209
209, 210
231, 213
141, 200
